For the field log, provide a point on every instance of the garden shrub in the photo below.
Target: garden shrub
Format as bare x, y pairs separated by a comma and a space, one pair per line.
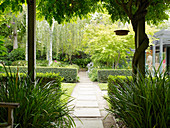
40, 107
17, 54
73, 66
24, 63
144, 103
69, 74
93, 74
82, 62
19, 63
42, 62
104, 73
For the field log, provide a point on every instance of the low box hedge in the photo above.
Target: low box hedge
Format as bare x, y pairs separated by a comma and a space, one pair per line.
69, 74
43, 77
104, 73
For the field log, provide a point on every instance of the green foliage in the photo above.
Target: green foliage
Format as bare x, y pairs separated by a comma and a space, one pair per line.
72, 66
19, 63
82, 62
42, 62
44, 77
3, 50
17, 54
24, 63
156, 11
141, 104
69, 74
69, 9
93, 74
103, 86
104, 46
103, 74
68, 88
40, 107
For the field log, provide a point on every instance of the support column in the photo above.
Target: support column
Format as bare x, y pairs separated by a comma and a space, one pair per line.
31, 39
168, 59
161, 55
26, 48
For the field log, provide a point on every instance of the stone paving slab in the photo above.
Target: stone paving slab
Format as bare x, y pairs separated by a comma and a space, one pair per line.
86, 86
87, 112
87, 92
89, 123
87, 104
87, 97
90, 83
86, 89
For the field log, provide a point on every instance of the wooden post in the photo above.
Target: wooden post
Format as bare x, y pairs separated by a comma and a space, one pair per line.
31, 38
10, 107
10, 117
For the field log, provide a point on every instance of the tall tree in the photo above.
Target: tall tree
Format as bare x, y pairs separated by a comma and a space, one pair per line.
138, 11
103, 45
51, 43
15, 43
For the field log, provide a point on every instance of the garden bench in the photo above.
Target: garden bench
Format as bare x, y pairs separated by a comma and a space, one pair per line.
10, 107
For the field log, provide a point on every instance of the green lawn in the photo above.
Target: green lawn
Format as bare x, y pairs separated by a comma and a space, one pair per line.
68, 87
102, 86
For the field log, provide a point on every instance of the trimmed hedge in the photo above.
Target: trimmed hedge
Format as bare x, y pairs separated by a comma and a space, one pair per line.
43, 77
104, 73
113, 80
69, 74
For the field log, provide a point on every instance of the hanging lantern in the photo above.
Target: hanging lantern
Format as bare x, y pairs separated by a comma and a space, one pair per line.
121, 32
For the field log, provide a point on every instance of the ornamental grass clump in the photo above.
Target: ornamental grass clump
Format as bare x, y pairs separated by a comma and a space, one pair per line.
144, 103
40, 106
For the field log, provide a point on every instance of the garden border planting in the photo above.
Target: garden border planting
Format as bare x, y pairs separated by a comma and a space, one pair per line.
69, 74
103, 74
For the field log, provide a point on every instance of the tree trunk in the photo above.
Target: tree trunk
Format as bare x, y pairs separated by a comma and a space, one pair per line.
140, 38
141, 44
15, 43
51, 44
31, 39
117, 63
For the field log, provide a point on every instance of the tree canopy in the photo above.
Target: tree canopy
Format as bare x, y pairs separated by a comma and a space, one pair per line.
136, 11
125, 10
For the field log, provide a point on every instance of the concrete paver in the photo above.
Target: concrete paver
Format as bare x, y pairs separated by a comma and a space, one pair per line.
87, 92
89, 105
86, 89
85, 104
86, 123
87, 112
86, 97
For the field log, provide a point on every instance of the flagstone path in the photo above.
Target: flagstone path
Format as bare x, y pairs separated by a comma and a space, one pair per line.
90, 105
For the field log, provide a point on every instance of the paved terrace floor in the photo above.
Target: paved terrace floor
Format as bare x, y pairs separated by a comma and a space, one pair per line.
90, 105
